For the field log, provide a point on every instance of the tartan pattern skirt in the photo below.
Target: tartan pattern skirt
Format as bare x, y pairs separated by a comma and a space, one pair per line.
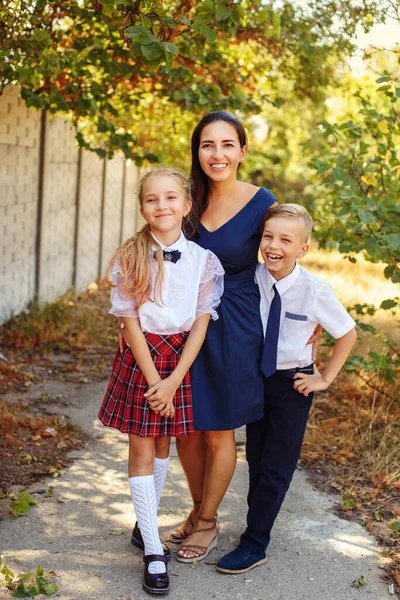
124, 406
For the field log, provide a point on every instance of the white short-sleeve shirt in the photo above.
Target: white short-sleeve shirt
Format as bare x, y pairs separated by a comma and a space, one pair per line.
191, 287
307, 301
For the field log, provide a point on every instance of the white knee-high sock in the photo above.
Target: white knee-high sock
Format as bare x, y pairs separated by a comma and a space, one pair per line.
145, 503
160, 471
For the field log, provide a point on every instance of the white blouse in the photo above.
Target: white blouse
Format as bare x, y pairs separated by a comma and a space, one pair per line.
192, 287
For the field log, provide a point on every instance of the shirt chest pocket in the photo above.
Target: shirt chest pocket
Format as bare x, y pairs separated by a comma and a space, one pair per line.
295, 326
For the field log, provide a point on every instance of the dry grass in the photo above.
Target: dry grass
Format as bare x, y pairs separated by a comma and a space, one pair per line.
360, 282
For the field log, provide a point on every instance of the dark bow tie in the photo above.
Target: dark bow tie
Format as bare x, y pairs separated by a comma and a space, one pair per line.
170, 255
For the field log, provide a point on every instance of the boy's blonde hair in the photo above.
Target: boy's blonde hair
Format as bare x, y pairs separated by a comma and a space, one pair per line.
134, 256
290, 211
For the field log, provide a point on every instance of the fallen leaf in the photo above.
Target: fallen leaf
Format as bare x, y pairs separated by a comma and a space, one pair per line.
360, 582
117, 532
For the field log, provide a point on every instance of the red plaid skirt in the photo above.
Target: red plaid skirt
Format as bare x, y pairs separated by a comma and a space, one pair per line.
124, 406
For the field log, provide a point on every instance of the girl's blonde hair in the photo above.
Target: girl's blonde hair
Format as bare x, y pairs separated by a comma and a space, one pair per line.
134, 256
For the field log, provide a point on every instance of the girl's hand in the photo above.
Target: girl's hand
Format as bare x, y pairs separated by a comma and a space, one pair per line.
314, 340
305, 384
160, 396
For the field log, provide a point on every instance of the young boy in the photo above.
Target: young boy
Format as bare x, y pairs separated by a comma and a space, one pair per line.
293, 302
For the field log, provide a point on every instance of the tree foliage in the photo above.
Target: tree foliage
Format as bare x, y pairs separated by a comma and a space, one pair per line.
115, 63
356, 198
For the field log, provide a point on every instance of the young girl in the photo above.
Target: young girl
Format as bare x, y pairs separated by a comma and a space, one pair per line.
164, 289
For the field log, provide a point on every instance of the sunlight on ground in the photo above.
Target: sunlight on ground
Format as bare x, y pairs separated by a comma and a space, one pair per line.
353, 545
325, 535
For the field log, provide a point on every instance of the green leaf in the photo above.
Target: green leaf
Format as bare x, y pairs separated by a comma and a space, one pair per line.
392, 241
222, 12
24, 496
151, 51
211, 35
33, 591
39, 571
146, 22
135, 50
5, 570
50, 588
134, 31
20, 592
349, 500
388, 304
19, 509
347, 194
360, 582
171, 48
108, 9
365, 216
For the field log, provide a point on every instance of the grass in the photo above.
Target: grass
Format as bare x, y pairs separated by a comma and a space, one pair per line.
71, 322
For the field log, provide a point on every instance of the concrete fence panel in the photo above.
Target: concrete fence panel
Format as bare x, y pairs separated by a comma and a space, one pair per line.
89, 220
59, 210
19, 147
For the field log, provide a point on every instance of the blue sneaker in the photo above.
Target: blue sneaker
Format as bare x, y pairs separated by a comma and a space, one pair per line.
240, 560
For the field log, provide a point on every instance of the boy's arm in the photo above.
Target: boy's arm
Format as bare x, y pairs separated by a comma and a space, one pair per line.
160, 396
306, 384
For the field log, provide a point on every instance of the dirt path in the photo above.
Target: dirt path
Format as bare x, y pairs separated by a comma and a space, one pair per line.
314, 555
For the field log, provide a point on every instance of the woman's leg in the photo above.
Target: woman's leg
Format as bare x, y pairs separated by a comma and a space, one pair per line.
141, 482
192, 455
220, 465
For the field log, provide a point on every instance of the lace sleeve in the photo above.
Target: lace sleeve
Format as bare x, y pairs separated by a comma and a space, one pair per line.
211, 287
121, 305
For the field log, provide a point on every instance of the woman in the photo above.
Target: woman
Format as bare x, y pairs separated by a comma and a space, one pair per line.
226, 381
227, 385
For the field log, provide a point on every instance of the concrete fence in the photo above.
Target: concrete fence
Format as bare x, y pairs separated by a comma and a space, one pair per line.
63, 210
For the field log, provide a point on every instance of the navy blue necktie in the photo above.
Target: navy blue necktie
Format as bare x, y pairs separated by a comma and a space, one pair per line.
270, 351
170, 255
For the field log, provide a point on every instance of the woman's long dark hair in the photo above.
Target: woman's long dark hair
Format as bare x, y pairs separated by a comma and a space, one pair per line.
198, 179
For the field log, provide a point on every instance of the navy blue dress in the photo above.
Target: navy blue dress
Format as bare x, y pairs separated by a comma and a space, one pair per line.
227, 386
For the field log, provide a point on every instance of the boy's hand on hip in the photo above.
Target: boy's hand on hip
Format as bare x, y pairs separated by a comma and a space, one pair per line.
305, 384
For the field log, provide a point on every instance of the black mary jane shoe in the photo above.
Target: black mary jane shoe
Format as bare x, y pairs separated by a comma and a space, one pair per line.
157, 583
137, 541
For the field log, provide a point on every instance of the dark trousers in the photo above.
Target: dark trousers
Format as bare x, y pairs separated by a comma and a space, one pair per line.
272, 450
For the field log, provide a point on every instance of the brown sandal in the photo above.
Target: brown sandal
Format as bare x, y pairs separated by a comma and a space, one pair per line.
203, 551
178, 539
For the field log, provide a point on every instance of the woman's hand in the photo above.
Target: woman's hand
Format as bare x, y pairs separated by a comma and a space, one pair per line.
314, 340
160, 396
121, 337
